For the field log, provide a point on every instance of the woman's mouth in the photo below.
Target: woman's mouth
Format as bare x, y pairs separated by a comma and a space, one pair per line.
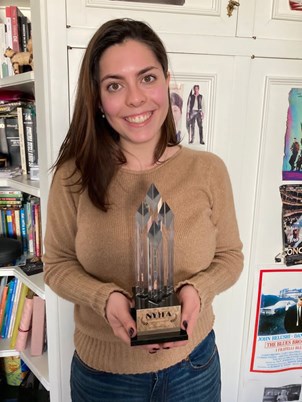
138, 119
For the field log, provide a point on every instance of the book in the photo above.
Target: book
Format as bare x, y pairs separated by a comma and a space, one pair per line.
3, 299
23, 231
9, 223
29, 228
24, 31
3, 60
36, 226
13, 141
16, 39
15, 302
30, 131
25, 323
22, 140
16, 213
3, 283
38, 326
8, 307
23, 293
8, 23
3, 144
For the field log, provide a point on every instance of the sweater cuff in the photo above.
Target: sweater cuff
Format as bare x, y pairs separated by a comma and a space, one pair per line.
205, 295
106, 289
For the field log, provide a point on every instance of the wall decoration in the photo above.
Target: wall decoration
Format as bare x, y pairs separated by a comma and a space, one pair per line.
176, 97
295, 5
292, 159
290, 392
291, 197
191, 101
195, 115
277, 338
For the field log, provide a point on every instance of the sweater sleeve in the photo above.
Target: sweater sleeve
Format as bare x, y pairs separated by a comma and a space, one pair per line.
62, 271
227, 263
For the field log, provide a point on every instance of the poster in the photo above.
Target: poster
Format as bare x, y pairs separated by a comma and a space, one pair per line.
189, 107
277, 338
295, 5
292, 159
291, 197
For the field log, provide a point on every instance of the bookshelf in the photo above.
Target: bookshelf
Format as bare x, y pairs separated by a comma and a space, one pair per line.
25, 82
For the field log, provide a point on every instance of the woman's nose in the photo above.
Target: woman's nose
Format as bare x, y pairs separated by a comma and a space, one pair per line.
135, 96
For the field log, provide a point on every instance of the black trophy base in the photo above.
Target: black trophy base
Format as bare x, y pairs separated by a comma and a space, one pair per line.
157, 322
149, 339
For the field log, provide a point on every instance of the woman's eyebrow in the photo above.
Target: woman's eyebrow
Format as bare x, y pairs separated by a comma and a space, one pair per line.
119, 77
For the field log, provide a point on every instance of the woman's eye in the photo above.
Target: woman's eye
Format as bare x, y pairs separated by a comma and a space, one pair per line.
149, 78
113, 87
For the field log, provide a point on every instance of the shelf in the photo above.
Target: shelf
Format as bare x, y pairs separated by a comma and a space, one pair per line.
22, 82
37, 364
5, 351
23, 184
34, 282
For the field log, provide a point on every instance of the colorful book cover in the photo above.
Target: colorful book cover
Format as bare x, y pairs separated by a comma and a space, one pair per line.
8, 308
23, 293
23, 230
18, 286
9, 222
292, 158
25, 323
2, 305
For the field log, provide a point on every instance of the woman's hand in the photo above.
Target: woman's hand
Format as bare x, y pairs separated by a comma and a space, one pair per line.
119, 317
122, 324
190, 307
124, 327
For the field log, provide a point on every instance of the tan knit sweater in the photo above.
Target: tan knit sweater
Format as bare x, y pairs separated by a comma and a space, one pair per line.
89, 253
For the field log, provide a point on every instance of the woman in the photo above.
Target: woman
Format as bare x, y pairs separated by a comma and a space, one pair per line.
122, 139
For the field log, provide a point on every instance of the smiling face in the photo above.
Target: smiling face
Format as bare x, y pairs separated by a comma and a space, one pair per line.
134, 94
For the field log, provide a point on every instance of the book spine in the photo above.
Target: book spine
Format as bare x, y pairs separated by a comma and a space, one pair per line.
18, 286
24, 30
23, 293
8, 307
2, 306
38, 326
29, 121
23, 230
22, 140
3, 141
15, 29
16, 213
8, 36
37, 230
9, 223
8, 24
13, 141
3, 60
25, 323
29, 228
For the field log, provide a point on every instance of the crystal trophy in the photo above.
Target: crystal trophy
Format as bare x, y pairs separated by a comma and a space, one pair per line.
157, 310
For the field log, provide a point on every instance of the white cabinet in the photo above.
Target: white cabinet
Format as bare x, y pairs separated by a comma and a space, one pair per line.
192, 17
272, 19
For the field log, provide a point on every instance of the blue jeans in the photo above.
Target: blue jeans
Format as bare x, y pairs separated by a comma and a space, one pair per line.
195, 379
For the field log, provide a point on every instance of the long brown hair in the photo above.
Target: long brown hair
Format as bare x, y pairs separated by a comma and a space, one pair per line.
90, 140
